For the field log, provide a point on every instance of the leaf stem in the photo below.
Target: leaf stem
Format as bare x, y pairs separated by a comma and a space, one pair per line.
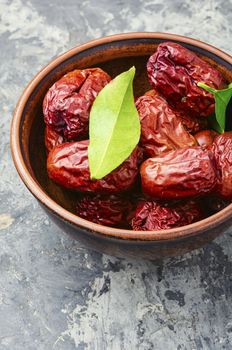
206, 87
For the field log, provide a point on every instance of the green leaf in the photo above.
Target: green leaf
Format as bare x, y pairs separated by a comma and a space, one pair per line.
114, 126
222, 98
213, 124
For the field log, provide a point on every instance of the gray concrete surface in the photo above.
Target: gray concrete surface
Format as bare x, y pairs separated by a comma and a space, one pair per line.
54, 294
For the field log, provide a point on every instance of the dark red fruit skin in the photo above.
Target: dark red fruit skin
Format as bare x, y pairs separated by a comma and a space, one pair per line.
177, 174
161, 129
109, 210
52, 139
205, 138
175, 71
67, 103
222, 151
150, 215
191, 124
68, 165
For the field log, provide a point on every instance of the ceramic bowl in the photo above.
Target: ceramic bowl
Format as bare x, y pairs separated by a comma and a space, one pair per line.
114, 54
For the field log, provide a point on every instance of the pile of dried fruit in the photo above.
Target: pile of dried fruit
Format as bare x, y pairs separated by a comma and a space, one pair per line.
155, 163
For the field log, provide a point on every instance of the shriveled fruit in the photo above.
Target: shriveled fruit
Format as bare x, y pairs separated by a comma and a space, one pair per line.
205, 138
67, 103
110, 210
181, 173
68, 165
161, 128
151, 215
175, 71
52, 139
222, 150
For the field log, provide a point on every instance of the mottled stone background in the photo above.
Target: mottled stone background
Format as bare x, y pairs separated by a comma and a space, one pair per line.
55, 294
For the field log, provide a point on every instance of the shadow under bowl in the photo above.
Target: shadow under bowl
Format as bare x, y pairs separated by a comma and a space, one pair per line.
114, 54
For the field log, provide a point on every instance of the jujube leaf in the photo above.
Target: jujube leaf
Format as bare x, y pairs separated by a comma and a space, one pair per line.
222, 98
114, 126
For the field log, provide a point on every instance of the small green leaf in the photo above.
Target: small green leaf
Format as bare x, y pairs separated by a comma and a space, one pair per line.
114, 126
213, 124
222, 98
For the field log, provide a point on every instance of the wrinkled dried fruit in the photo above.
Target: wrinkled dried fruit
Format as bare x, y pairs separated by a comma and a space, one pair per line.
205, 138
175, 71
109, 210
68, 165
161, 128
192, 124
222, 150
150, 215
181, 173
67, 103
52, 138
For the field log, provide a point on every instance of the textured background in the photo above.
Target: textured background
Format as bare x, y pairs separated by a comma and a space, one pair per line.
55, 294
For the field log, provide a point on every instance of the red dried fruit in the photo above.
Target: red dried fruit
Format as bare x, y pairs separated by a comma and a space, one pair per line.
205, 138
52, 139
67, 103
192, 124
175, 71
222, 150
161, 128
109, 210
68, 165
150, 215
181, 173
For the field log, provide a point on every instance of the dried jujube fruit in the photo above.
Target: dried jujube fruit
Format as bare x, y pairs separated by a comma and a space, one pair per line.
222, 151
175, 71
161, 128
110, 210
205, 138
68, 166
151, 215
192, 124
182, 173
67, 104
52, 139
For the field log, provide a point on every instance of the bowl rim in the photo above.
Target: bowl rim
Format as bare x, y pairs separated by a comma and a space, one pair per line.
38, 192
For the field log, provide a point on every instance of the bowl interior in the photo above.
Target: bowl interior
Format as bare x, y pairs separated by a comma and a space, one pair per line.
114, 57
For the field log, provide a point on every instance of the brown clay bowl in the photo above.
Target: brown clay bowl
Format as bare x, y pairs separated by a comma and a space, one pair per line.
114, 54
